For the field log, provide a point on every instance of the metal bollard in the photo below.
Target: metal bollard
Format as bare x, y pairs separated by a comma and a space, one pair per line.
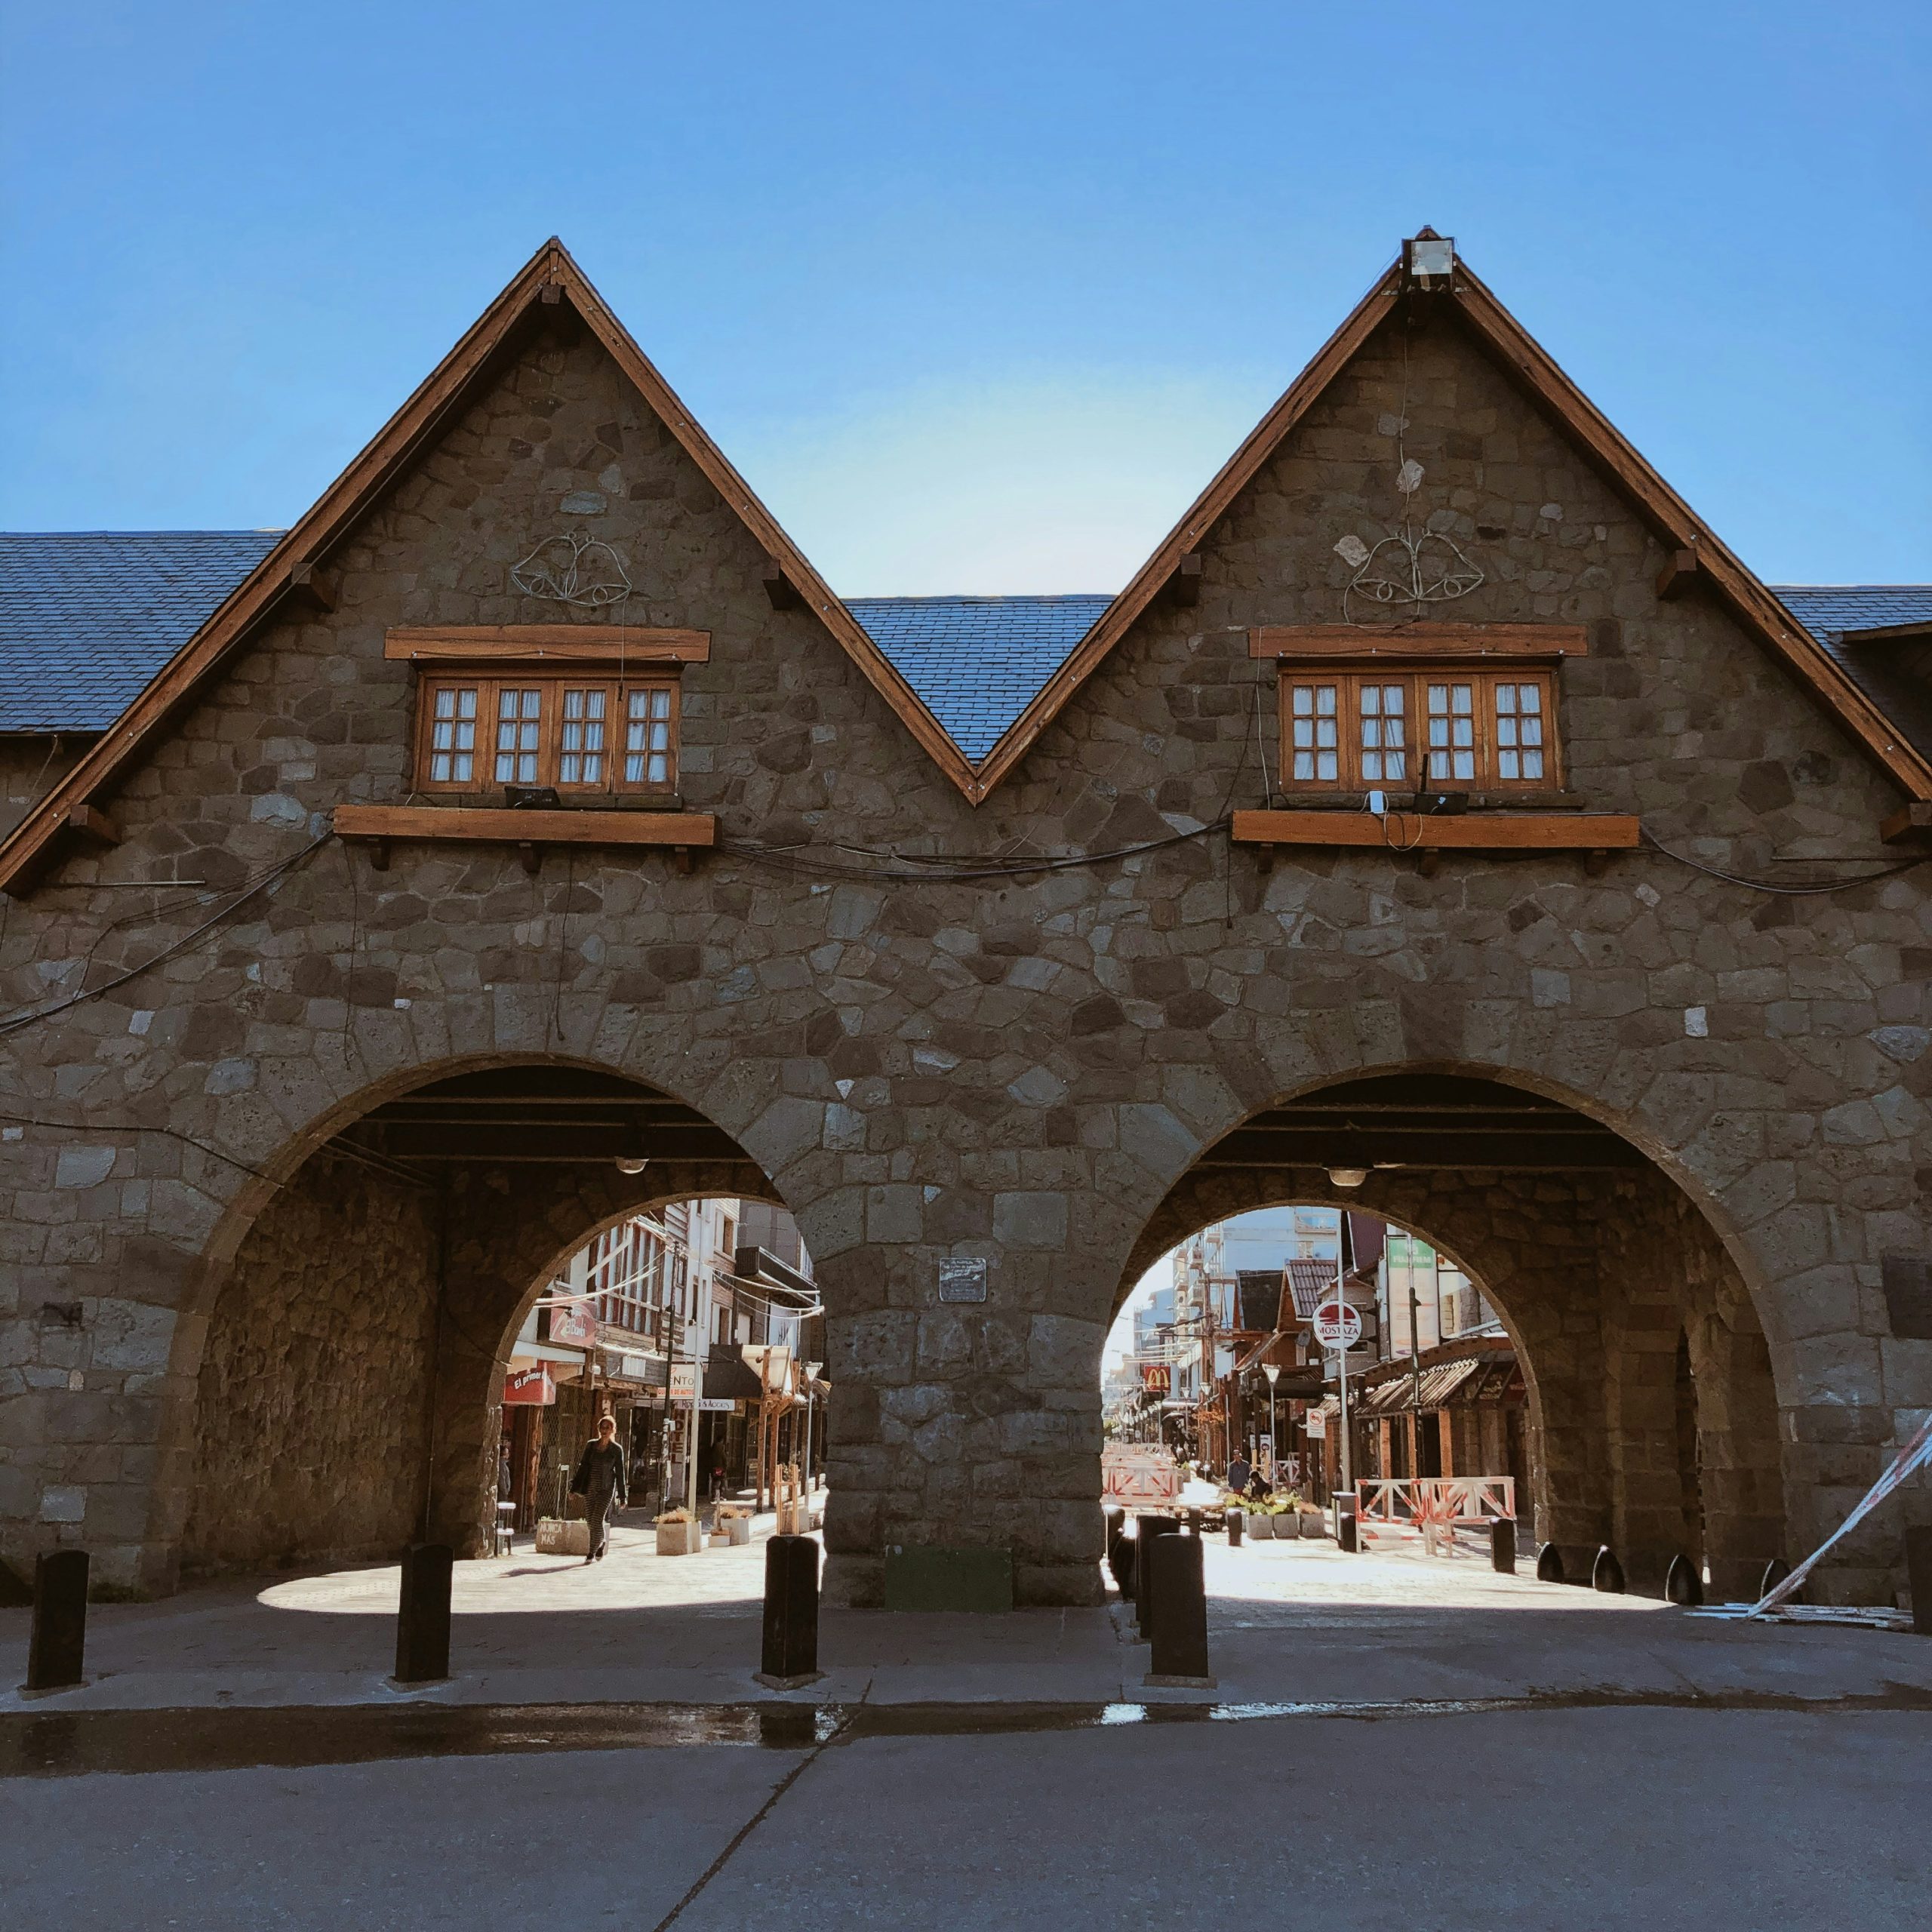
1605, 1573
1150, 1528
1503, 1546
1682, 1585
1919, 1575
423, 1617
1179, 1636
791, 1614
1549, 1564
58, 1644
1235, 1525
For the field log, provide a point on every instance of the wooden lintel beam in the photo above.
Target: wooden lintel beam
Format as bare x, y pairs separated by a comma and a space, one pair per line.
1679, 575
1382, 642
562, 644
783, 593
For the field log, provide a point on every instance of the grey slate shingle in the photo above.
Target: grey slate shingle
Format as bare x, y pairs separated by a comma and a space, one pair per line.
977, 661
88, 616
1827, 610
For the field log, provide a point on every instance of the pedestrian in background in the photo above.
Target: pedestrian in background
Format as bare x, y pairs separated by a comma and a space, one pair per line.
601, 1481
1238, 1471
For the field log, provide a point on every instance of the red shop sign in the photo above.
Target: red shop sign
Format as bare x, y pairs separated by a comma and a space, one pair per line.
573, 1325
530, 1387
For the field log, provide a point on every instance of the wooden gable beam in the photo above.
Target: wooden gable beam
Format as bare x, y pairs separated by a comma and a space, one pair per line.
1233, 477
551, 284
814, 593
1681, 529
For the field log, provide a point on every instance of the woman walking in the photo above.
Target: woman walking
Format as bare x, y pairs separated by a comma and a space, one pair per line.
600, 1480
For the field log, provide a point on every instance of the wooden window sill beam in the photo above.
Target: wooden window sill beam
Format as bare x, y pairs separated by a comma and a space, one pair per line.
1409, 831
502, 826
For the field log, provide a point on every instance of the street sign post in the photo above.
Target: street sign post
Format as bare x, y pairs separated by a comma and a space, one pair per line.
1338, 1327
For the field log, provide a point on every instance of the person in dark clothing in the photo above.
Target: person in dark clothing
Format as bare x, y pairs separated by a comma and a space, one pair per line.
601, 1481
1239, 1471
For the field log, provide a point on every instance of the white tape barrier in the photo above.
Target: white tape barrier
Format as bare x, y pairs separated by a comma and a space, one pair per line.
1916, 1454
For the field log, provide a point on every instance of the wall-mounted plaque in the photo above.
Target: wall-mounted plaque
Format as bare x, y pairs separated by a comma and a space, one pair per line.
963, 1278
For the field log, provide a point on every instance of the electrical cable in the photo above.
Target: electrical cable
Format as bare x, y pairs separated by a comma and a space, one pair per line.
14, 1022
136, 1127
1807, 891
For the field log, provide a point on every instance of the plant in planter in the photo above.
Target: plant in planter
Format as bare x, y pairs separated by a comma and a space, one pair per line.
678, 1533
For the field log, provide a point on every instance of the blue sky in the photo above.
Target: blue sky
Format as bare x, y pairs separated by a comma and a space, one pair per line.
977, 296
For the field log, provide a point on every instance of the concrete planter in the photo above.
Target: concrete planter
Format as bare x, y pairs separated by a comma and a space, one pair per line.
733, 1529
1261, 1526
680, 1539
557, 1537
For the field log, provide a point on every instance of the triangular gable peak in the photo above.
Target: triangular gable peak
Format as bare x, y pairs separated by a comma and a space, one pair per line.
297, 567
1684, 533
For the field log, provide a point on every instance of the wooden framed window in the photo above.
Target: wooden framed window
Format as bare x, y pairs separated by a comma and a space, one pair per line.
588, 737
1383, 729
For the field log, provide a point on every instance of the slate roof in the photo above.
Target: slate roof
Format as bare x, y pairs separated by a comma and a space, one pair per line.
976, 661
88, 616
1892, 675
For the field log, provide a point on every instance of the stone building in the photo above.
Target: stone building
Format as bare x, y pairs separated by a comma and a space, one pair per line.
964, 953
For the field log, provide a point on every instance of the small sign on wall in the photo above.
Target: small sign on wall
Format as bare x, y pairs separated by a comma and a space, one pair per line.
963, 1278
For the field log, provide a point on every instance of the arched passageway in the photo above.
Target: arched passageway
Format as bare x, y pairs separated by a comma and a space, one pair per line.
1652, 1410
347, 1394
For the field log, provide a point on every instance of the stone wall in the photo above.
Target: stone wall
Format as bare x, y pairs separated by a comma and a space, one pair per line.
313, 1402
29, 768
1021, 1068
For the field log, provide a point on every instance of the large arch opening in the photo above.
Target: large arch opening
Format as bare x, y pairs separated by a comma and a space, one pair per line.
348, 1394
1650, 1415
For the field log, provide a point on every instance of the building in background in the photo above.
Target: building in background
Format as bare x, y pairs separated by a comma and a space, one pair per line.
724, 1280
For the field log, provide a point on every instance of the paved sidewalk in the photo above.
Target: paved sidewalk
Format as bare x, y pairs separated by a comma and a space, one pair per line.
1290, 1623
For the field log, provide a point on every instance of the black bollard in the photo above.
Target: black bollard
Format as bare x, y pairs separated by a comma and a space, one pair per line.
1194, 1522
1919, 1575
1502, 1546
1605, 1573
1149, 1528
1179, 1634
1776, 1571
1549, 1564
791, 1613
423, 1619
1120, 1561
1347, 1537
59, 1641
1682, 1585
1232, 1519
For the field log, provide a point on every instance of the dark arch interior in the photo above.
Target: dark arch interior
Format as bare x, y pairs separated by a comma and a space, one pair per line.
349, 1381
1653, 1413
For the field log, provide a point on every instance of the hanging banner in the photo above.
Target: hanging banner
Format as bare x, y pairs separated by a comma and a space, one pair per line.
529, 1388
573, 1327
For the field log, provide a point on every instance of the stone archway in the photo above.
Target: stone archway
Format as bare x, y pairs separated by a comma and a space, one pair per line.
1602, 1269
347, 1390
